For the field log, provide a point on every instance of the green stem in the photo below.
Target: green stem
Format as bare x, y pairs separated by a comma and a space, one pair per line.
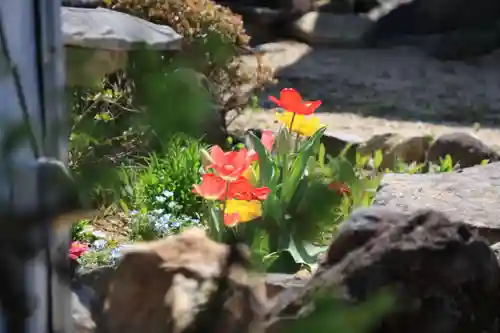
224, 205
285, 158
297, 140
291, 123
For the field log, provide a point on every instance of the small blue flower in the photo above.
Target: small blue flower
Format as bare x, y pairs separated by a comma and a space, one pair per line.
195, 220
176, 224
168, 194
162, 223
160, 198
99, 244
174, 205
158, 211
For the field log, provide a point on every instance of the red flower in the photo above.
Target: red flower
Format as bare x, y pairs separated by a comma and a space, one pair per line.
267, 140
230, 165
212, 187
231, 219
291, 101
339, 187
77, 249
241, 189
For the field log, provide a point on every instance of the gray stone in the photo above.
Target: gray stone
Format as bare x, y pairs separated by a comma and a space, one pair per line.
331, 29
106, 29
472, 25
470, 195
336, 142
82, 318
464, 149
98, 40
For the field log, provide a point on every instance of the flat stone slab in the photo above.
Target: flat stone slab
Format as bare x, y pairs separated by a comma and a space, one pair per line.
105, 29
471, 195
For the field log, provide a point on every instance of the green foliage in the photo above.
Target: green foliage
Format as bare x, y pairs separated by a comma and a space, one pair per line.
160, 190
302, 205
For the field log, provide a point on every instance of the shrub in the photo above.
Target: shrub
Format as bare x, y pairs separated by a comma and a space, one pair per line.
213, 35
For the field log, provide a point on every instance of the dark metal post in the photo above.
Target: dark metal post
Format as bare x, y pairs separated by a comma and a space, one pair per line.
34, 295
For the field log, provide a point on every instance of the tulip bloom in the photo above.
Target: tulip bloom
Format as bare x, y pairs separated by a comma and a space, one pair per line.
77, 249
291, 101
242, 189
229, 165
212, 187
239, 211
305, 126
339, 187
267, 140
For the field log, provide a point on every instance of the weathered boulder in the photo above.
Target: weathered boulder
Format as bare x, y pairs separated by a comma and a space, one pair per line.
97, 41
184, 283
336, 142
330, 29
463, 149
470, 195
395, 147
396, 19
442, 277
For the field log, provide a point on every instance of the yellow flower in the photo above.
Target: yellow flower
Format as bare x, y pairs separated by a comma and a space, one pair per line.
238, 211
302, 125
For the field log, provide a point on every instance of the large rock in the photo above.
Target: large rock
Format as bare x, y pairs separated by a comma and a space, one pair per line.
184, 283
97, 41
331, 29
463, 148
470, 195
470, 24
442, 277
397, 148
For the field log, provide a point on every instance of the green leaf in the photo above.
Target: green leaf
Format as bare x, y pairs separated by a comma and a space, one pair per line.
299, 165
215, 223
321, 155
266, 165
304, 252
378, 158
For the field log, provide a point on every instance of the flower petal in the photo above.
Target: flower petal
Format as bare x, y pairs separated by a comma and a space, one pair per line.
217, 155
232, 219
212, 187
267, 139
291, 98
311, 106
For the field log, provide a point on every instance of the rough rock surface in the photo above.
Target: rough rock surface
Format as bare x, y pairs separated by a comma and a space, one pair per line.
463, 149
330, 29
470, 195
184, 283
444, 279
396, 148
398, 83
449, 29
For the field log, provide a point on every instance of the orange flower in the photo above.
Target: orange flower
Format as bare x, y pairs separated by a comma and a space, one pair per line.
229, 165
212, 187
267, 140
339, 187
242, 189
291, 101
